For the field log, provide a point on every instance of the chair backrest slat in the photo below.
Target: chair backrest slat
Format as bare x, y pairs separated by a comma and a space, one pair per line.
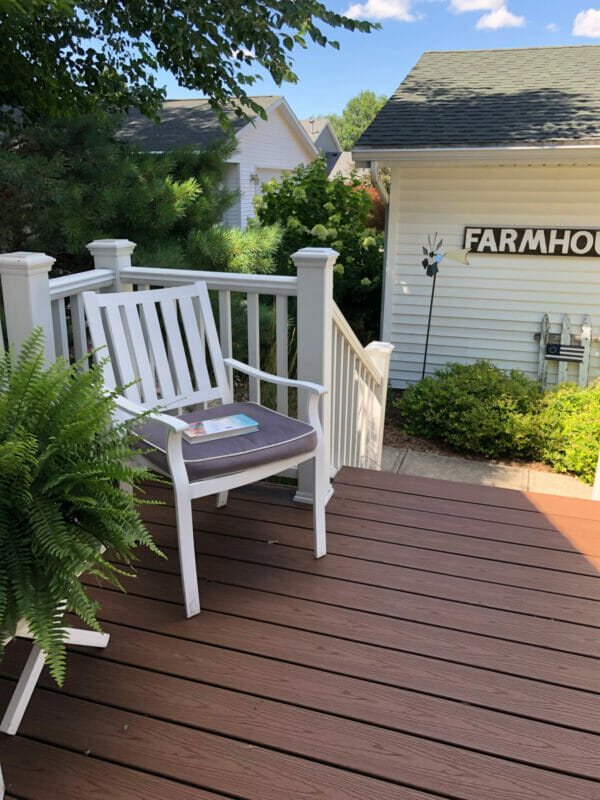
121, 353
158, 349
196, 343
160, 338
142, 356
98, 337
214, 346
177, 355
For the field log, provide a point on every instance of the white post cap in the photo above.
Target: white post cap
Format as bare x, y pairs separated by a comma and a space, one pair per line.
314, 257
24, 262
111, 247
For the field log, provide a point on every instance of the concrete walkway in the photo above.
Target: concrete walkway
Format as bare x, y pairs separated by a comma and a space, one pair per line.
451, 468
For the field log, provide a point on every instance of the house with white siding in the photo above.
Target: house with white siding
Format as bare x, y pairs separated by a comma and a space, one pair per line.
498, 151
324, 138
265, 147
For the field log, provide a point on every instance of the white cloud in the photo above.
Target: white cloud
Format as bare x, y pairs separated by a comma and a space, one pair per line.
587, 23
460, 6
382, 9
500, 18
552, 26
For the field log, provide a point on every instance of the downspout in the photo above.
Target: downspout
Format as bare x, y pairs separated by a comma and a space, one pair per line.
381, 190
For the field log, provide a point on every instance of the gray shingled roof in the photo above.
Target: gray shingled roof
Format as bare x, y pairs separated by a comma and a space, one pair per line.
314, 126
485, 98
184, 122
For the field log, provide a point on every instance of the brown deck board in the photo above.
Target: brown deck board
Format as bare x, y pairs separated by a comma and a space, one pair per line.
419, 538
35, 770
548, 633
243, 713
561, 606
525, 575
537, 700
447, 647
472, 493
585, 531
234, 764
486, 652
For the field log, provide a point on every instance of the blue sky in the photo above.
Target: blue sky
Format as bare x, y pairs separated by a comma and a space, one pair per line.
379, 61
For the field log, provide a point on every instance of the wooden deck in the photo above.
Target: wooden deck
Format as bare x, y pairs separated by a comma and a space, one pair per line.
447, 647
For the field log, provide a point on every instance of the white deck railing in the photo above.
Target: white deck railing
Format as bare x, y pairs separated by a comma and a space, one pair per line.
358, 396
328, 352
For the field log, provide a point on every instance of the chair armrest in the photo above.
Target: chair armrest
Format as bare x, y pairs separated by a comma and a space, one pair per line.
267, 376
173, 423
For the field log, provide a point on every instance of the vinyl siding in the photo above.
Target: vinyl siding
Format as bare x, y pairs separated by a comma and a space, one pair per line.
267, 149
233, 216
492, 308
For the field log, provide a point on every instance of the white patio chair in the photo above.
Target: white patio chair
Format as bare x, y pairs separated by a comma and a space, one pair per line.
165, 342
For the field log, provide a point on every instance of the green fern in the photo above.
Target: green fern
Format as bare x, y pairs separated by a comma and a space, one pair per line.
62, 459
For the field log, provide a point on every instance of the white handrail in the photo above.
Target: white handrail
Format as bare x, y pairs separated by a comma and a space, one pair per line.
68, 285
229, 281
340, 321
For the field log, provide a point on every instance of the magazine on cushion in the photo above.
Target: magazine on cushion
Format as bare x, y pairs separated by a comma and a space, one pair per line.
208, 429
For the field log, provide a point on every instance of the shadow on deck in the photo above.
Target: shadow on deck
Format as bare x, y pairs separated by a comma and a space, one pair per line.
447, 647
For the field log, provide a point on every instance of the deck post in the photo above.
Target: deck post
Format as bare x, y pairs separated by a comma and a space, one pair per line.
380, 353
26, 295
314, 266
113, 254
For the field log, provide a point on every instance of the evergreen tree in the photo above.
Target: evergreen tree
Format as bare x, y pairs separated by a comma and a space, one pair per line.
68, 182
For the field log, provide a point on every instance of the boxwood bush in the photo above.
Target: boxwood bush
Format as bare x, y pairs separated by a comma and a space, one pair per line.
479, 408
568, 426
476, 408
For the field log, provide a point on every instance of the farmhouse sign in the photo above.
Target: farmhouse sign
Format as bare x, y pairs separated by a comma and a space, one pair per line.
534, 241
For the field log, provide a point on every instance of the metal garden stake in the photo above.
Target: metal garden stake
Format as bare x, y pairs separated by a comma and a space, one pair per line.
431, 266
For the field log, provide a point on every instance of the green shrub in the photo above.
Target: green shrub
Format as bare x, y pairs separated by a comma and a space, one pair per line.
569, 429
314, 211
477, 408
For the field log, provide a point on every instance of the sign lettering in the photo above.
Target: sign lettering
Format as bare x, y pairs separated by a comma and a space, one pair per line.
534, 241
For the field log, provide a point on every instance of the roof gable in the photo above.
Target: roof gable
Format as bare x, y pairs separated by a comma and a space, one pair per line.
185, 123
493, 98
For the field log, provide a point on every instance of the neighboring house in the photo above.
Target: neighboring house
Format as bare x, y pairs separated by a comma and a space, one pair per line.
346, 167
507, 143
265, 148
323, 136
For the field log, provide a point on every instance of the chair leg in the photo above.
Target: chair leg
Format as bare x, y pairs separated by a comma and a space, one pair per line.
23, 691
222, 499
187, 554
319, 496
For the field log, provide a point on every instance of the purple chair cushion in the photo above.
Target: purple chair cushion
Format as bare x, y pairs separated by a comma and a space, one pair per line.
277, 437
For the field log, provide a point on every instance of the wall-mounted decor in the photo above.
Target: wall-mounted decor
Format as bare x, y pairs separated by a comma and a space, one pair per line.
533, 241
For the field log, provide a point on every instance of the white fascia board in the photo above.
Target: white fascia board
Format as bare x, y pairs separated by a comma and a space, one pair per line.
451, 156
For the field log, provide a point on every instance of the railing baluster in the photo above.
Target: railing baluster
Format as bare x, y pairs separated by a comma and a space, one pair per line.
80, 348
225, 330
281, 348
336, 443
253, 345
59, 323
